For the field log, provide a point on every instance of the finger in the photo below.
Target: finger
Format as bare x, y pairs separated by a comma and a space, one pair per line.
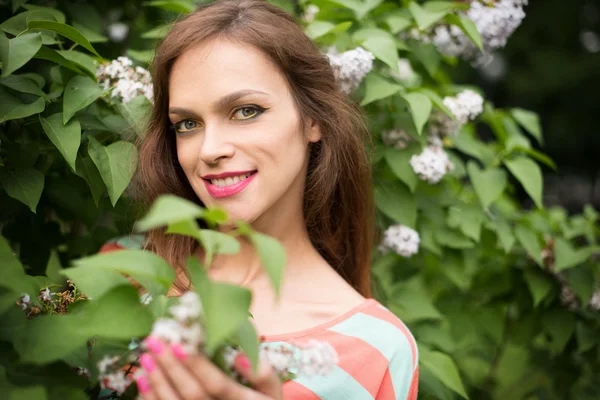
160, 387
214, 381
144, 388
180, 378
265, 380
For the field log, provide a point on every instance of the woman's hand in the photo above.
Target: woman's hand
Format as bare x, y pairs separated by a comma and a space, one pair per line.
173, 375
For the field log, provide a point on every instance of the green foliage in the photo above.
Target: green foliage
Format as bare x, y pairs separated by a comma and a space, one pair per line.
486, 296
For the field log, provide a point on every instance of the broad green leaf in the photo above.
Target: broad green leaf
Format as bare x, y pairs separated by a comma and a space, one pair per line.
467, 218
37, 392
12, 274
444, 368
360, 7
530, 121
177, 6
116, 163
504, 233
16, 52
46, 53
397, 202
147, 268
539, 285
383, 48
398, 23
23, 184
582, 282
399, 162
81, 60
468, 27
247, 338
53, 268
530, 242
420, 108
137, 113
452, 238
143, 56
425, 17
272, 257
16, 24
80, 92
11, 108
64, 30
55, 12
567, 257
95, 282
488, 184
411, 303
437, 100
157, 33
91, 35
24, 84
66, 138
318, 28
378, 88
218, 242
226, 310
169, 208
529, 174
560, 324
428, 55
88, 171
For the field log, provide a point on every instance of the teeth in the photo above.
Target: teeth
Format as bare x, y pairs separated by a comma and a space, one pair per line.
230, 180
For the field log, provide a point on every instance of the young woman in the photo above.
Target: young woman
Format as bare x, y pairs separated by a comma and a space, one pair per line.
248, 117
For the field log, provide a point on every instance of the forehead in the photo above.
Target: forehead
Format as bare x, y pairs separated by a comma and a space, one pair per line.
219, 67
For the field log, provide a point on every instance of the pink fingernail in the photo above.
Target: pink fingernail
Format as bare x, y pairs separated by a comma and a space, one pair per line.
147, 362
154, 344
178, 351
242, 361
143, 385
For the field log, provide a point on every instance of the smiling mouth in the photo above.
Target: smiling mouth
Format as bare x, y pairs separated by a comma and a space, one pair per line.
230, 180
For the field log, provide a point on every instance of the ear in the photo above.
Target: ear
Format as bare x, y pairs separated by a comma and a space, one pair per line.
314, 132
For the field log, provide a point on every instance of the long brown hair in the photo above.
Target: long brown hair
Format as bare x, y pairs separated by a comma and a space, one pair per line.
338, 205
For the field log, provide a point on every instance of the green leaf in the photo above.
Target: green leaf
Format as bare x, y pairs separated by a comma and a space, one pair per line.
378, 88
428, 55
443, 368
218, 242
360, 7
116, 163
46, 53
318, 28
143, 56
64, 30
384, 48
23, 184
539, 285
56, 14
53, 268
137, 113
398, 23
147, 268
530, 121
560, 325
88, 171
12, 274
177, 6
82, 60
95, 282
425, 17
468, 218
11, 108
28, 393
66, 138
16, 52
411, 303
567, 257
80, 92
396, 201
226, 309
468, 27
272, 257
247, 338
488, 184
24, 84
504, 233
399, 162
167, 209
91, 35
530, 242
157, 33
452, 238
529, 174
437, 100
420, 108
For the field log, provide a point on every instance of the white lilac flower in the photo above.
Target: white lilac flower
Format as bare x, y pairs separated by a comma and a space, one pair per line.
188, 307
350, 67
167, 329
45, 295
405, 70
280, 356
432, 164
310, 13
396, 138
106, 363
495, 21
465, 106
117, 32
116, 381
400, 239
192, 338
24, 301
317, 358
125, 81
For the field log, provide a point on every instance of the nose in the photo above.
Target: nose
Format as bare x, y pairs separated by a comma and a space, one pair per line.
215, 145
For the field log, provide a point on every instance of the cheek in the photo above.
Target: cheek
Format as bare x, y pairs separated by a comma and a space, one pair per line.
185, 156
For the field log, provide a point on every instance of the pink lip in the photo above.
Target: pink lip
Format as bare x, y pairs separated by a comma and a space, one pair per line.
225, 191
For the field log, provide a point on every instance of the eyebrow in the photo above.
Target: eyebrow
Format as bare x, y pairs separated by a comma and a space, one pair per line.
220, 104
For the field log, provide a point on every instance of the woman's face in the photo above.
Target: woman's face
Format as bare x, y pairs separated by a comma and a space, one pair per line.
238, 132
